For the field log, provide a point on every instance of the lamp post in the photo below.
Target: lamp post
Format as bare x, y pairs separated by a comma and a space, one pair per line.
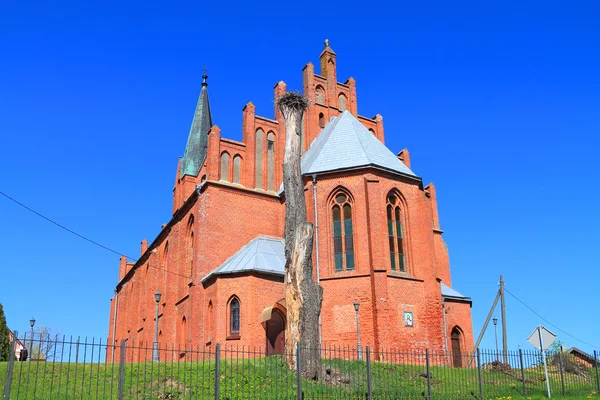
495, 321
356, 306
31, 323
155, 344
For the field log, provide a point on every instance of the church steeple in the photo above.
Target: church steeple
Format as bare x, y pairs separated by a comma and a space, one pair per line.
195, 150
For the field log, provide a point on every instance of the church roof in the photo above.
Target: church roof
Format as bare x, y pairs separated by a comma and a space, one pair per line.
195, 150
261, 254
450, 293
344, 143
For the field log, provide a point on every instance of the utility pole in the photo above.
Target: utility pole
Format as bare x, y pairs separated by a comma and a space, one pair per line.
503, 310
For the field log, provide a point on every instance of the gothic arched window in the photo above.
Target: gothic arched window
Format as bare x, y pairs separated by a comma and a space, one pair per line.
343, 244
321, 120
224, 167
271, 161
259, 158
237, 168
342, 102
394, 222
234, 316
320, 92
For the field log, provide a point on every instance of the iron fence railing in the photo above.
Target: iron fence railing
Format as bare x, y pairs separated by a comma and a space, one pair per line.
75, 368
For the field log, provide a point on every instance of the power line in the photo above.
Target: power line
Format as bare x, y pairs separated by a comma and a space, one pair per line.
83, 237
549, 323
64, 227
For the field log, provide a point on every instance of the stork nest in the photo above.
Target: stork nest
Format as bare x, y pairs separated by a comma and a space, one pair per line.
292, 101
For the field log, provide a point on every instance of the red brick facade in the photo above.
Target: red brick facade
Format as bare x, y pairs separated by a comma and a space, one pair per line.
213, 218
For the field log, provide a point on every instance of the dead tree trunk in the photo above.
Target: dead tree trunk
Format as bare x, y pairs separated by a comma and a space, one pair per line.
302, 295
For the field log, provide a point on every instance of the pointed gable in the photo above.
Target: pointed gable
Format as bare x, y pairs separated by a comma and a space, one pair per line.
195, 150
344, 143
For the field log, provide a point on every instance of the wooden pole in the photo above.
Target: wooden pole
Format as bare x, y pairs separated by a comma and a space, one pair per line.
503, 310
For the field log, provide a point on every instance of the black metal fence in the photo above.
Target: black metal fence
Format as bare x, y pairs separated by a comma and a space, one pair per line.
71, 368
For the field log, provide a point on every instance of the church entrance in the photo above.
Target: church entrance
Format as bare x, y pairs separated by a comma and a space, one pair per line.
455, 338
275, 333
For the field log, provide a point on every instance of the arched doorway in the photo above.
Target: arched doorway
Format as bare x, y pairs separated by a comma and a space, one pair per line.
456, 339
275, 333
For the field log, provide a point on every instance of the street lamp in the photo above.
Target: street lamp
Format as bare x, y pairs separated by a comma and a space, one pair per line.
356, 306
155, 344
31, 323
495, 321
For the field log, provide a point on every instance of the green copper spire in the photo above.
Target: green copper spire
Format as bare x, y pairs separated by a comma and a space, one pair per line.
195, 150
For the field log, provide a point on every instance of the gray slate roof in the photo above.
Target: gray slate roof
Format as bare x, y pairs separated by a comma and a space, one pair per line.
344, 143
262, 254
451, 293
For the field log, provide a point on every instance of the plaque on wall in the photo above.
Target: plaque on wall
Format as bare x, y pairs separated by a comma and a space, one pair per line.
408, 319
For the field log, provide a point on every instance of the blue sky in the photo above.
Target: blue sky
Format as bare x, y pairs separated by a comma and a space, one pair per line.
498, 105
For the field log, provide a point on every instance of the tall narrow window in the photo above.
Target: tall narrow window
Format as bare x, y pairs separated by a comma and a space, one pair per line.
237, 168
320, 92
343, 244
234, 316
342, 102
224, 167
271, 161
395, 234
321, 120
209, 322
259, 159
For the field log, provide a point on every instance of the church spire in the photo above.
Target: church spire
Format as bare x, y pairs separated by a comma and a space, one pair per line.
195, 150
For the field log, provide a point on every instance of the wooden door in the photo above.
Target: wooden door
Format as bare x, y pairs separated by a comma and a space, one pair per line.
456, 352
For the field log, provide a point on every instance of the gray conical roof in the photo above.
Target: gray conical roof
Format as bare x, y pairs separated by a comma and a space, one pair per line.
345, 143
195, 150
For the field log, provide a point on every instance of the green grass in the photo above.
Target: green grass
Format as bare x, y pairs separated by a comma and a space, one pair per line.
269, 378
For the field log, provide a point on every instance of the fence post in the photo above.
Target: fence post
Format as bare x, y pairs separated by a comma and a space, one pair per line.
597, 376
369, 383
298, 372
217, 371
562, 375
479, 374
9, 372
522, 372
122, 370
428, 374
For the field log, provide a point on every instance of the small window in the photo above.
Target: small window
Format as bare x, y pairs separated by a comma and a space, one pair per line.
342, 102
343, 243
321, 120
234, 317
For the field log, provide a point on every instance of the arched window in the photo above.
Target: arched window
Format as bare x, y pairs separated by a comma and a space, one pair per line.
183, 335
165, 266
234, 316
209, 322
271, 161
342, 102
224, 167
321, 120
372, 131
343, 245
259, 158
237, 168
320, 92
394, 222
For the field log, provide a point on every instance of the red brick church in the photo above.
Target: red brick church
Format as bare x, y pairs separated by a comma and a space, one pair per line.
218, 263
